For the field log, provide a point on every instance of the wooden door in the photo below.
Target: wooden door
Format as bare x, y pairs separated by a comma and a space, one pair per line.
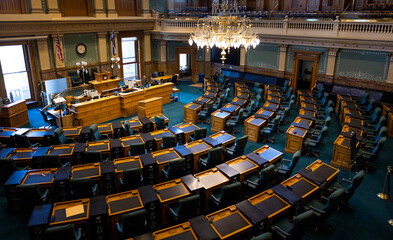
12, 6
127, 7
305, 55
76, 8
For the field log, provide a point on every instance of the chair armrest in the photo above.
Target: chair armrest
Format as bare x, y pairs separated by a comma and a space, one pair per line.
121, 181
287, 160
346, 180
34, 145
283, 169
119, 229
252, 183
45, 196
317, 210
215, 199
281, 232
94, 190
78, 234
173, 212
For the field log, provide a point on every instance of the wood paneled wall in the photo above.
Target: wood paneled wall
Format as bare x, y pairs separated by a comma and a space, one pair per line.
76, 8
13, 6
127, 7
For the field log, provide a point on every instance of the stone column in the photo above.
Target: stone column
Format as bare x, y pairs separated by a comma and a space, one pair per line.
102, 47
36, 6
111, 6
331, 64
58, 63
43, 53
390, 73
243, 55
99, 8
145, 9
147, 46
163, 66
283, 57
53, 8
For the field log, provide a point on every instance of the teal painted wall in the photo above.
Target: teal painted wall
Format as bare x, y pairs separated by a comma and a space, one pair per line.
155, 51
200, 56
158, 5
367, 65
70, 42
170, 49
322, 58
264, 56
51, 53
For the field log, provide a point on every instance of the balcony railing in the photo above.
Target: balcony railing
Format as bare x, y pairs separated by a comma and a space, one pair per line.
321, 28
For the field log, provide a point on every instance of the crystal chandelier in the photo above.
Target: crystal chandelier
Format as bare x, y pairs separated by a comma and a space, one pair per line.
224, 29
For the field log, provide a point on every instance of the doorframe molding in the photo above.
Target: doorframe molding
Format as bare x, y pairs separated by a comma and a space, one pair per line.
305, 55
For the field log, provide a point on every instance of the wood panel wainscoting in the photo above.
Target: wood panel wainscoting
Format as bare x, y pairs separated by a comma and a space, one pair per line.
76, 8
13, 7
127, 7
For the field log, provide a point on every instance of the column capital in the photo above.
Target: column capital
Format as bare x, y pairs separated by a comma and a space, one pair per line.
102, 34
283, 47
332, 51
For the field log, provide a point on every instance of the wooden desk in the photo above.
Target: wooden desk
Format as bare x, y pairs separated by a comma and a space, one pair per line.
307, 114
188, 129
162, 116
124, 163
270, 106
72, 132
229, 223
135, 124
269, 154
174, 91
270, 204
244, 166
342, 153
162, 79
162, 158
238, 102
294, 139
62, 120
150, 107
349, 130
351, 113
101, 146
41, 177
302, 123
22, 156
105, 128
354, 122
308, 106
14, 114
127, 141
301, 187
105, 84
190, 112
222, 138
64, 151
169, 193
199, 148
218, 120
306, 99
59, 214
204, 100
6, 133
325, 171
159, 134
252, 126
121, 203
90, 170
182, 231
36, 135
211, 180
232, 109
273, 99
264, 114
243, 95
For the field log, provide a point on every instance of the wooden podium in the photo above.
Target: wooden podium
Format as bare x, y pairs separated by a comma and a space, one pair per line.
99, 77
14, 114
150, 107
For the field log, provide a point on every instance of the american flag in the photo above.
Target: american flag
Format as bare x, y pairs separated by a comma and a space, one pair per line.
113, 43
59, 50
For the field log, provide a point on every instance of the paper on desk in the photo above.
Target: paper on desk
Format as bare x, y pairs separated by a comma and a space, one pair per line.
75, 210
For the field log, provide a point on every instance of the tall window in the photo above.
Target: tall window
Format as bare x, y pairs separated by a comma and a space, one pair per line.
14, 72
129, 47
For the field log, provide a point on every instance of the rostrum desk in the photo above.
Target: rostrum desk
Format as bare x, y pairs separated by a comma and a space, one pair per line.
244, 166
101, 146
188, 129
323, 171
218, 120
162, 158
252, 126
127, 141
190, 112
158, 135
269, 155
301, 187
105, 84
168, 193
342, 153
220, 139
294, 139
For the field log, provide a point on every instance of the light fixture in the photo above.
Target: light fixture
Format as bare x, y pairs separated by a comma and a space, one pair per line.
115, 62
224, 29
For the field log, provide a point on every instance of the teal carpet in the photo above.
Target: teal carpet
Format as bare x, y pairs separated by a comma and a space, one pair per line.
367, 221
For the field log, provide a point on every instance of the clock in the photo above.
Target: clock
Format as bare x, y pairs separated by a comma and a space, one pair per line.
81, 49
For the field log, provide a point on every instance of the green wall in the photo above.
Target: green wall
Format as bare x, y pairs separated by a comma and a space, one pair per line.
158, 5
170, 49
155, 51
200, 55
264, 56
367, 65
70, 42
322, 58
